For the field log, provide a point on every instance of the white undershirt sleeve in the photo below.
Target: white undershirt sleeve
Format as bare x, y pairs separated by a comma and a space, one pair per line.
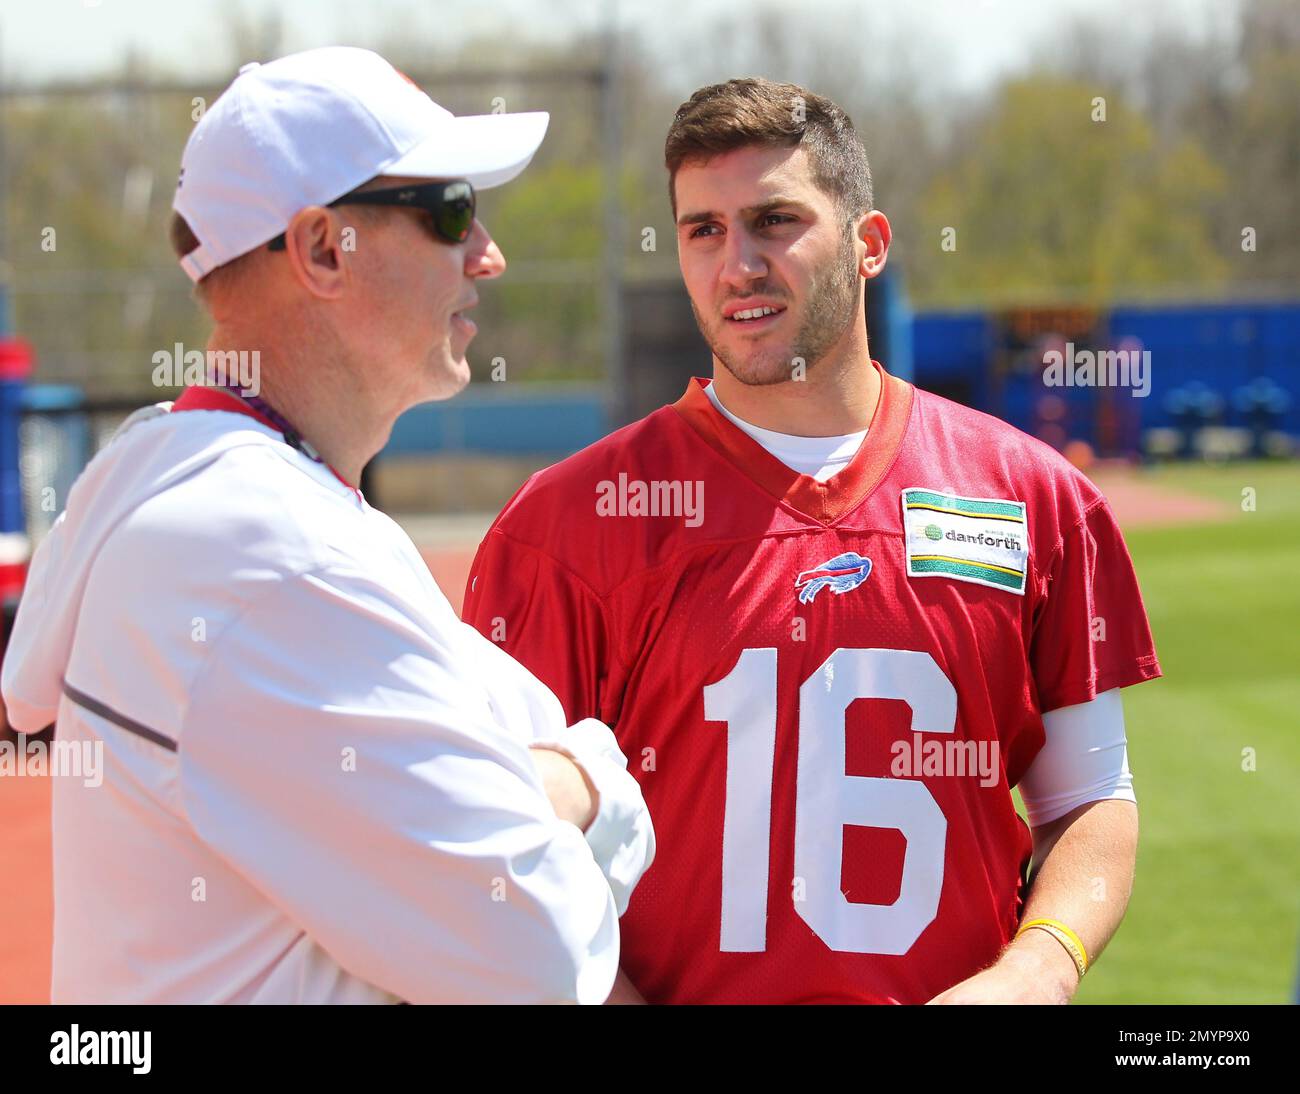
1084, 759
335, 754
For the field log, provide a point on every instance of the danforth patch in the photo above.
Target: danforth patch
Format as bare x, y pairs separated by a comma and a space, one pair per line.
984, 540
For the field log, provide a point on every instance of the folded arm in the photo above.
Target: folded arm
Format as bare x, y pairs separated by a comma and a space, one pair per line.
371, 796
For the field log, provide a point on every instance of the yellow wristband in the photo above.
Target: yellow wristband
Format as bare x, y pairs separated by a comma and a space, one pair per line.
1071, 942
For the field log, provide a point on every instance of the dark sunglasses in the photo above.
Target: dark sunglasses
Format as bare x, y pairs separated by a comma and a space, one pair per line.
451, 204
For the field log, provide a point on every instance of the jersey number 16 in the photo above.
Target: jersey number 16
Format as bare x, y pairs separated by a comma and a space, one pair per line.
826, 798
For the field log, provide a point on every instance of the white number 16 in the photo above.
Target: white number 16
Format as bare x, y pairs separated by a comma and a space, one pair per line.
826, 798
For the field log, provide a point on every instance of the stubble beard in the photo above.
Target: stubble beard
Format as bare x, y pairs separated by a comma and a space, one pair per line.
832, 306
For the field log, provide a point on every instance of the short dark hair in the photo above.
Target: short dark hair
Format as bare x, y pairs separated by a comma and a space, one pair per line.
183, 239
753, 111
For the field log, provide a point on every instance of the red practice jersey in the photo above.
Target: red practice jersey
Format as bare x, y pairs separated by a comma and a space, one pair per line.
827, 690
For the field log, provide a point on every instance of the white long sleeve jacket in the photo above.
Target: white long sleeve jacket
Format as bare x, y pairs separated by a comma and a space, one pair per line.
317, 785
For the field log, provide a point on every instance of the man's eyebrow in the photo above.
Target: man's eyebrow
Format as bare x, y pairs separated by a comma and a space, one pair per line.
749, 212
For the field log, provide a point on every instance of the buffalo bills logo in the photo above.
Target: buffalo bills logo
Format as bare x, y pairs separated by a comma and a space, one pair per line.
840, 574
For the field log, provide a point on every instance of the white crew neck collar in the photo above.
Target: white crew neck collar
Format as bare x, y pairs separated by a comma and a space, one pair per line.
820, 457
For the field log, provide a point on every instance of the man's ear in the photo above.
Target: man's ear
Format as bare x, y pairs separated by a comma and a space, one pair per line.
314, 250
872, 229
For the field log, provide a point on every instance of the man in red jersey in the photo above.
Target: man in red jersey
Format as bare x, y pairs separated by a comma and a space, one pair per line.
834, 620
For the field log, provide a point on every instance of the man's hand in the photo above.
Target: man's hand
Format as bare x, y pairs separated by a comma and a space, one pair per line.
1087, 853
573, 796
1034, 969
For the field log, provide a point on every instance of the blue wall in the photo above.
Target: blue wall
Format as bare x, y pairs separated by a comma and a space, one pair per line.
501, 419
1223, 346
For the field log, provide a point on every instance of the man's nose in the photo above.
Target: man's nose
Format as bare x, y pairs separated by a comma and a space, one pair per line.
483, 258
742, 260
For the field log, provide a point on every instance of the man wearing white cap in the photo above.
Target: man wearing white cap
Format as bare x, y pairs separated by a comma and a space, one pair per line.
318, 785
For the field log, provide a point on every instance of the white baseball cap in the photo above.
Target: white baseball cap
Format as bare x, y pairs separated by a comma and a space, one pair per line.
309, 128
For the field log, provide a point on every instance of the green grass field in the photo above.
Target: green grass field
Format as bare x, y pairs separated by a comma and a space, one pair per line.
1215, 915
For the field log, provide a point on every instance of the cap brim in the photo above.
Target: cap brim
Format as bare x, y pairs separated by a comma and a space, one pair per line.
486, 149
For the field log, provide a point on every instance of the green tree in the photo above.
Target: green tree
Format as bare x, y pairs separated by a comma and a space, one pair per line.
1047, 199
88, 183
543, 318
